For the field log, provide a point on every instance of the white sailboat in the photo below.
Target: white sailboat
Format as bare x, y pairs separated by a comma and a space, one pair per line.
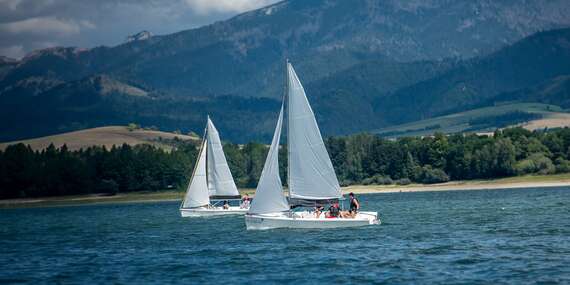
211, 183
311, 176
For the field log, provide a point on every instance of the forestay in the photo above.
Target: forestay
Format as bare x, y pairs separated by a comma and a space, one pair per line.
269, 196
197, 192
311, 173
220, 180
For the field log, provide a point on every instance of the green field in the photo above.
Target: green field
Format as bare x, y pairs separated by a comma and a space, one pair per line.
545, 116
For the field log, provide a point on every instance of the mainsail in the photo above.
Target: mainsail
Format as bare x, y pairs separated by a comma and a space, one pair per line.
220, 180
311, 173
197, 192
269, 196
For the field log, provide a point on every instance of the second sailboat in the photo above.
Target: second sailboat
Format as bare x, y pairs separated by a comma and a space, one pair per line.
211, 186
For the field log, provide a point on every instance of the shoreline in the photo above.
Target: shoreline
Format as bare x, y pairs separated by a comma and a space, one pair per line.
517, 182
449, 186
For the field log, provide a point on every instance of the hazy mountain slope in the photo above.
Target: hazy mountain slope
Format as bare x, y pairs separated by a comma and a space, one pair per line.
367, 96
102, 100
346, 96
524, 64
553, 91
483, 120
360, 61
244, 55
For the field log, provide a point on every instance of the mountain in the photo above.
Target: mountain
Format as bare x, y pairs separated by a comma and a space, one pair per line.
525, 64
7, 60
102, 100
356, 58
140, 36
487, 119
350, 93
319, 36
553, 91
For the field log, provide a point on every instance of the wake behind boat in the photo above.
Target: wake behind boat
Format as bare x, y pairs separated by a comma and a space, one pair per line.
311, 176
212, 187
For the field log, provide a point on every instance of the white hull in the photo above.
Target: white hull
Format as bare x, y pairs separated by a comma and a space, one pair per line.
307, 220
215, 211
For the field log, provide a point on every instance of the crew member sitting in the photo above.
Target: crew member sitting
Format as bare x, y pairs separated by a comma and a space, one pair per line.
334, 211
318, 210
245, 202
226, 205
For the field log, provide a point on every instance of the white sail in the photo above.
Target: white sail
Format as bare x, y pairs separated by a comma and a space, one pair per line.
269, 196
220, 180
311, 173
197, 192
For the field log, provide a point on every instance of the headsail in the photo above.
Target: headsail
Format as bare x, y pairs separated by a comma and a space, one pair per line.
269, 196
220, 180
311, 173
197, 192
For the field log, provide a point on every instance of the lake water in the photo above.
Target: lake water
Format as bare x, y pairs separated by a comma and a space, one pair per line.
496, 236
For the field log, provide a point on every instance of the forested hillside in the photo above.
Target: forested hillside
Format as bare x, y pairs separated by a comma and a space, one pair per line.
358, 159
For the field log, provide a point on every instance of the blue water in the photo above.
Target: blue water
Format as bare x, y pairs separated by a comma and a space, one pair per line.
495, 236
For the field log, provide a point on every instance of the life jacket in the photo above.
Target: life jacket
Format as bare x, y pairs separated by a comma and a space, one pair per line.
353, 204
334, 211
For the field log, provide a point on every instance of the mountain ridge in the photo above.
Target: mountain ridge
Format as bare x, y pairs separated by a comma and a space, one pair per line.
364, 64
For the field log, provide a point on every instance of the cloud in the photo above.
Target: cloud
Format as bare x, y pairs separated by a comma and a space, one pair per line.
87, 24
42, 26
35, 24
16, 51
226, 6
11, 4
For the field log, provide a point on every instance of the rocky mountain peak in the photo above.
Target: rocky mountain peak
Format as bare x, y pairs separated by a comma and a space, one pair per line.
140, 36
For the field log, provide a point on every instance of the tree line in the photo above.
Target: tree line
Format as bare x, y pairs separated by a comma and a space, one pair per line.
358, 159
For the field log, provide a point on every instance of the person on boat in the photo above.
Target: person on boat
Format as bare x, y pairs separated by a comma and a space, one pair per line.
226, 205
318, 210
334, 211
354, 205
245, 202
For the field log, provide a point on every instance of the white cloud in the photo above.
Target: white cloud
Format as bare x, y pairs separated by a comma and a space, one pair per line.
16, 51
224, 6
87, 24
35, 24
42, 26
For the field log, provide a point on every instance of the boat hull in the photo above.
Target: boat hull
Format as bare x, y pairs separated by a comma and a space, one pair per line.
208, 212
307, 220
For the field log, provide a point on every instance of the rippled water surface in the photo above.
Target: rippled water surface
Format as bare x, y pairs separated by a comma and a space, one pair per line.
495, 236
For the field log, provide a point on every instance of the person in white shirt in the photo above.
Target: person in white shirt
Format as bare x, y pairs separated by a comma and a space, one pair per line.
245, 202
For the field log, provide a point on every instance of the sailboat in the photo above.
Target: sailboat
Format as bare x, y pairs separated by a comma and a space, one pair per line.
211, 183
311, 177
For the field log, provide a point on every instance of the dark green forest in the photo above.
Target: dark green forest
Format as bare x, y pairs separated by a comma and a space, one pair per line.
358, 159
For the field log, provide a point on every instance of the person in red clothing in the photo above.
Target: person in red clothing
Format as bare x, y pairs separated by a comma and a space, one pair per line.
334, 211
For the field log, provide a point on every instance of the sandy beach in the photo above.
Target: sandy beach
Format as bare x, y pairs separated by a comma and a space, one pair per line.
531, 181
450, 186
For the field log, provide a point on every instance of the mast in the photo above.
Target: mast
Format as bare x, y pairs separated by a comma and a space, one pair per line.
285, 99
204, 137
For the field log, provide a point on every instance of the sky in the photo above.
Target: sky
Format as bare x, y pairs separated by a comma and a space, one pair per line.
27, 25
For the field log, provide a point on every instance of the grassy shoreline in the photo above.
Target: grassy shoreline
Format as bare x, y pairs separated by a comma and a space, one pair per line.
528, 181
